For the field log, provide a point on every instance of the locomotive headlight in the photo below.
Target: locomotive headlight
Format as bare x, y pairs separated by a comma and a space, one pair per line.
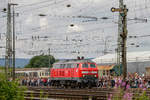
76, 70
94, 75
83, 75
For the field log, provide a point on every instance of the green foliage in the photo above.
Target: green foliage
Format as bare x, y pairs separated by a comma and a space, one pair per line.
10, 90
138, 94
42, 95
142, 97
119, 95
31, 95
41, 61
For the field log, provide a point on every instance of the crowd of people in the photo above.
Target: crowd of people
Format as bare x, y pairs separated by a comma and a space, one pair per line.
130, 82
104, 82
35, 82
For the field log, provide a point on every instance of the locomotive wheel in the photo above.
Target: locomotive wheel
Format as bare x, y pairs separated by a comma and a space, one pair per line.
79, 85
73, 84
89, 85
97, 84
62, 86
83, 85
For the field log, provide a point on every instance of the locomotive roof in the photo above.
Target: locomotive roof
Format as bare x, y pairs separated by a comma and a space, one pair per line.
74, 61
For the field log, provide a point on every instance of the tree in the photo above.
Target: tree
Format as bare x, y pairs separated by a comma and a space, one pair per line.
41, 61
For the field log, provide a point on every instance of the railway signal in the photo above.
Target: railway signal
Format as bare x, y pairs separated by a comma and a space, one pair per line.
123, 13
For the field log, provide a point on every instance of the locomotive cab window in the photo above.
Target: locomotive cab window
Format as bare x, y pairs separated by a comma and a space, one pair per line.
77, 65
85, 65
92, 66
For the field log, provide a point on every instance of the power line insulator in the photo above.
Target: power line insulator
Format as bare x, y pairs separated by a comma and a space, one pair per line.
72, 25
132, 44
104, 18
4, 10
137, 46
42, 15
68, 5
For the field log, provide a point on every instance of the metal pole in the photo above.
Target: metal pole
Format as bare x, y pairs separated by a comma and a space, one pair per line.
49, 56
120, 31
8, 41
124, 41
13, 43
122, 36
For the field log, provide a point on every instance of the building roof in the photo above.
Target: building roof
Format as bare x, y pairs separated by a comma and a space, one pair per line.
131, 57
31, 69
107, 67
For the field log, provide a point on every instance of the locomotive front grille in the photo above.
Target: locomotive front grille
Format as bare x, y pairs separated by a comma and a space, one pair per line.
89, 72
89, 78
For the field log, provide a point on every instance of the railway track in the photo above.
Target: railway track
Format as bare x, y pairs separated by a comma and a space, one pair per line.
82, 94
36, 93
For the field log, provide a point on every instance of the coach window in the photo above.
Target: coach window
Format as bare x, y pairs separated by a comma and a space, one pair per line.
85, 65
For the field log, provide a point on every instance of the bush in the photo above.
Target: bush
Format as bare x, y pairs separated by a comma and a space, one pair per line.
10, 90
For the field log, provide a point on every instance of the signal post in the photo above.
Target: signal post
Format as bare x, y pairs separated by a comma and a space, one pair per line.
123, 12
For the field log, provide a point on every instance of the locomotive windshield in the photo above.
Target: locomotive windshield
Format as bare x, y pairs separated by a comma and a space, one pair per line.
85, 65
92, 66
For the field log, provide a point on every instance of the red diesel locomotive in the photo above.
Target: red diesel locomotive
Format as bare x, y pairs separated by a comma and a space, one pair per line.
74, 73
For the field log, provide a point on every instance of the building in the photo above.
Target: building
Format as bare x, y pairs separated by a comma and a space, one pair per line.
147, 71
109, 70
136, 61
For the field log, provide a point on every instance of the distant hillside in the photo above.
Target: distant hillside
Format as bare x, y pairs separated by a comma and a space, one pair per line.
20, 62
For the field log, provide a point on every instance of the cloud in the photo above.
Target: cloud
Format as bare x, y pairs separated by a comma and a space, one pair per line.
29, 19
60, 17
43, 23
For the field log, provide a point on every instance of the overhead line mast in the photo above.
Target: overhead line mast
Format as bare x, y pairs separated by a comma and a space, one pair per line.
122, 37
10, 44
120, 30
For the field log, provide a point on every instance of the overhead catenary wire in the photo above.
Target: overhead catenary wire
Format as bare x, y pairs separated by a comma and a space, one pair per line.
41, 6
88, 23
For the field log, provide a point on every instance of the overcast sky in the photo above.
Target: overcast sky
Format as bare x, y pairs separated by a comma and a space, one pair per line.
88, 37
